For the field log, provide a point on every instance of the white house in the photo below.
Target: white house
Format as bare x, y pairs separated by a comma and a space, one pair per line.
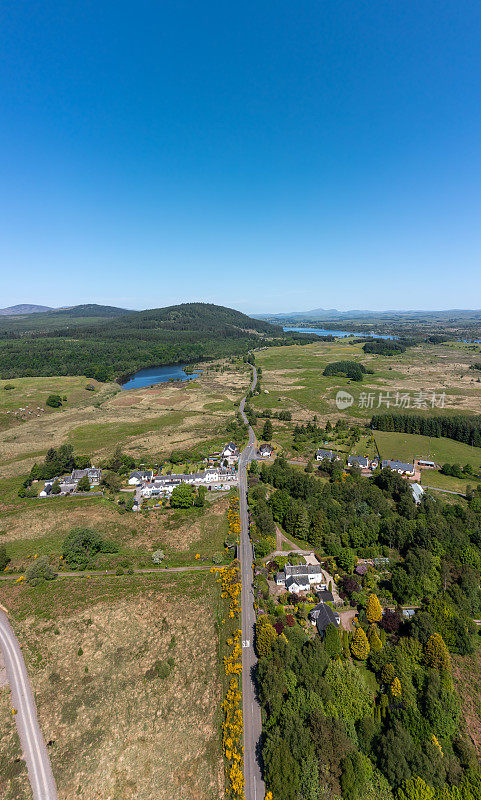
230, 453
418, 492
402, 467
265, 450
358, 461
300, 577
139, 476
94, 475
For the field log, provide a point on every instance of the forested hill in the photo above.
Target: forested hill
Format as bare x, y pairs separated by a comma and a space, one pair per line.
114, 347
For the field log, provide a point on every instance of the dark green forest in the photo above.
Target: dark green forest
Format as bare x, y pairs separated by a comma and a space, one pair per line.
459, 427
63, 343
372, 715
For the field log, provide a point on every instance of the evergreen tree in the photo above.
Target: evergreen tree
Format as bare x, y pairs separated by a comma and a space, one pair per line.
373, 638
332, 641
360, 645
267, 430
373, 609
265, 637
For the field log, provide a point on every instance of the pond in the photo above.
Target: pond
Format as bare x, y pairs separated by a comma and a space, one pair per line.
152, 375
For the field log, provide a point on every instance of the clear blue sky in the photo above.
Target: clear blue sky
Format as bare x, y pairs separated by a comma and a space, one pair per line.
269, 156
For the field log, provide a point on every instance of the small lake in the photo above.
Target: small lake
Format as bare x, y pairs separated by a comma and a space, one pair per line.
153, 375
340, 334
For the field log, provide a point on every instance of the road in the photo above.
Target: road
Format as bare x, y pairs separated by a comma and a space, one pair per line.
33, 745
254, 785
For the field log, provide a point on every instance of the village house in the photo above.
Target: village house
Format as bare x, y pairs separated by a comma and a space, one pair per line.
230, 453
300, 577
358, 461
140, 476
265, 450
322, 615
94, 474
327, 455
213, 478
402, 467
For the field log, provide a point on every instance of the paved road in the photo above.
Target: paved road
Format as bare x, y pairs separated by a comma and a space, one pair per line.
33, 745
254, 785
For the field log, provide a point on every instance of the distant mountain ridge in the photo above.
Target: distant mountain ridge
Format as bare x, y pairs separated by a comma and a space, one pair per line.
23, 308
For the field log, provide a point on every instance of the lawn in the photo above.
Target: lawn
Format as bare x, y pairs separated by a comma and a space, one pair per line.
407, 446
127, 683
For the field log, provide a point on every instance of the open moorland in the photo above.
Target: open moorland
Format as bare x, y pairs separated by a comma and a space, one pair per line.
126, 678
294, 381
150, 421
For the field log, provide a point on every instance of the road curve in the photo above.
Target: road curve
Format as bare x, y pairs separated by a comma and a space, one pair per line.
251, 711
33, 745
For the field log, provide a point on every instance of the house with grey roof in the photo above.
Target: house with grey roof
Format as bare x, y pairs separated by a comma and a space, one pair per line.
402, 467
94, 475
300, 577
358, 461
322, 615
322, 455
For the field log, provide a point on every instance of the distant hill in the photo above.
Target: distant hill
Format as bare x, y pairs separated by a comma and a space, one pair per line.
90, 310
23, 308
114, 343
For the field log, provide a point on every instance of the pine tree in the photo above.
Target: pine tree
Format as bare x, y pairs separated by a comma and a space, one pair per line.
267, 430
387, 673
436, 654
373, 609
396, 690
332, 641
415, 789
360, 645
373, 638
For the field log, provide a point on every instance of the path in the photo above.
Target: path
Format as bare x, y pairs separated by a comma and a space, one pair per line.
34, 750
254, 785
101, 573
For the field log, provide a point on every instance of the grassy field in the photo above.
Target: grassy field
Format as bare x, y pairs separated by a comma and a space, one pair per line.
407, 446
14, 784
30, 527
467, 679
294, 381
126, 677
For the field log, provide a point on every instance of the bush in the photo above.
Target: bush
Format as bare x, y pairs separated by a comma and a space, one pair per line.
158, 556
82, 544
54, 401
39, 572
346, 369
182, 496
4, 558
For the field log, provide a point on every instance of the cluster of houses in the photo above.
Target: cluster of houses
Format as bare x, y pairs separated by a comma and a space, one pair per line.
68, 483
214, 478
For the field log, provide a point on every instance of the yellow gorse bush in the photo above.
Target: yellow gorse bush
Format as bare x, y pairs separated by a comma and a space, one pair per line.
232, 728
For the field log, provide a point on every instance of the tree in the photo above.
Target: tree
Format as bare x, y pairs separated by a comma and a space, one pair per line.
111, 481
182, 496
373, 638
265, 638
309, 468
39, 571
267, 430
4, 558
82, 544
199, 500
415, 789
55, 487
332, 641
396, 689
373, 609
436, 654
84, 484
360, 645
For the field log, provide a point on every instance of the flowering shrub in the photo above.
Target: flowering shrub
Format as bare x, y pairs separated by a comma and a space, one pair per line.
232, 730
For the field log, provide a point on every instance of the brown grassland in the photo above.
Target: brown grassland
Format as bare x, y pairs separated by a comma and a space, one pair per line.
14, 783
126, 677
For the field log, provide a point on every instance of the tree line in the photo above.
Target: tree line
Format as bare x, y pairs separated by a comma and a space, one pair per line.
459, 427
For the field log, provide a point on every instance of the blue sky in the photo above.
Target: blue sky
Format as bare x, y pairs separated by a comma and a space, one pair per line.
268, 156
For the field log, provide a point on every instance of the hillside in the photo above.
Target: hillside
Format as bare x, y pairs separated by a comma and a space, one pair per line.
23, 308
117, 346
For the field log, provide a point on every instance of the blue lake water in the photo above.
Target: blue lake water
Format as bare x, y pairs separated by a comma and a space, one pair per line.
153, 375
341, 334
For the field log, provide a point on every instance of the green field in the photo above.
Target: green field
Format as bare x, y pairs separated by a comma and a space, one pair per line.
407, 446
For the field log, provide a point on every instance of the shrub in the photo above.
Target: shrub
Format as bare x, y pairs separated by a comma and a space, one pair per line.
83, 485
158, 556
4, 558
54, 401
39, 572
